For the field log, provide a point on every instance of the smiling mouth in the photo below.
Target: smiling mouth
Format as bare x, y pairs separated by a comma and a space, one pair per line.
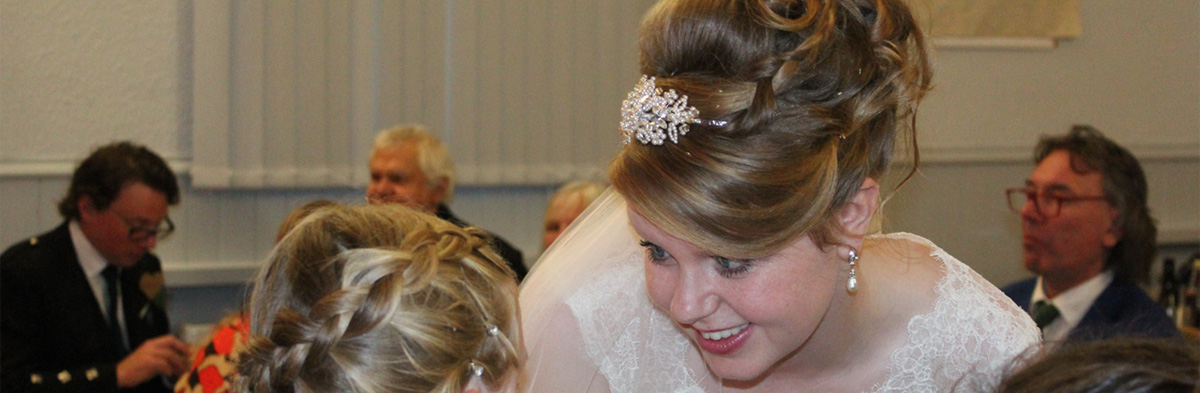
723, 334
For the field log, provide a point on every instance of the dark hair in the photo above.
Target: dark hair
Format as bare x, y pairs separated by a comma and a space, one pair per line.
1126, 365
812, 95
103, 174
1125, 187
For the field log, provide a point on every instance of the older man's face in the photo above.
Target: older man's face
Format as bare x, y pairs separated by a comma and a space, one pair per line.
1069, 248
396, 177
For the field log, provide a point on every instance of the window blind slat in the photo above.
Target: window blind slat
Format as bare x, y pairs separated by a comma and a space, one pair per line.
522, 92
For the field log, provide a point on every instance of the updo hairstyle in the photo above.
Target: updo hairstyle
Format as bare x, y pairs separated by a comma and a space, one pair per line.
812, 94
380, 299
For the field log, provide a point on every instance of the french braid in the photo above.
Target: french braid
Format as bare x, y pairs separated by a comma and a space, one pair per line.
379, 299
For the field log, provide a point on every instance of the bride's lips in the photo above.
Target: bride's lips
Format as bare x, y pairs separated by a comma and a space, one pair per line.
724, 341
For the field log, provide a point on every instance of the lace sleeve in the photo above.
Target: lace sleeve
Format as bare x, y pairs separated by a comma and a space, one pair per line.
971, 339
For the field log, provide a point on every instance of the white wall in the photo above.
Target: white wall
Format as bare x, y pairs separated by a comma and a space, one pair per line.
74, 75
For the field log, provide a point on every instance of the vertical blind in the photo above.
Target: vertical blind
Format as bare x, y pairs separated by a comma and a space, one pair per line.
289, 93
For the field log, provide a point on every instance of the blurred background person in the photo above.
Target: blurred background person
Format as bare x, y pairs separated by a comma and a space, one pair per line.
565, 205
1089, 238
78, 312
410, 166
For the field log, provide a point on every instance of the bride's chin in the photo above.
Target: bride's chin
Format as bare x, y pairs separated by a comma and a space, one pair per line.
733, 372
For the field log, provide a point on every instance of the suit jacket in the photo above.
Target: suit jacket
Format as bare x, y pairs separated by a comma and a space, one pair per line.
511, 254
1121, 310
53, 335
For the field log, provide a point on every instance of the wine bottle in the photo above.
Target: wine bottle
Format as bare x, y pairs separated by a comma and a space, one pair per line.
1168, 295
1191, 308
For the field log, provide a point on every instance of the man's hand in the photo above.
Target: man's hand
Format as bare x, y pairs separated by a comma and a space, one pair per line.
163, 355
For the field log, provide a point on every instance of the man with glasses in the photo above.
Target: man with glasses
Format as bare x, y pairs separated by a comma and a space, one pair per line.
77, 312
1089, 237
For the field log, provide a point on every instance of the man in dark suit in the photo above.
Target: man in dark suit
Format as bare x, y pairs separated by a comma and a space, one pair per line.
77, 315
1089, 237
409, 165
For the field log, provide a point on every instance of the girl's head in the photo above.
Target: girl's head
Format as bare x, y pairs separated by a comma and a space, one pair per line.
798, 102
381, 299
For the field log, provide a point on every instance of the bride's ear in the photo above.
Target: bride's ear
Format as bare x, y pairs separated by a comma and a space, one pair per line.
855, 215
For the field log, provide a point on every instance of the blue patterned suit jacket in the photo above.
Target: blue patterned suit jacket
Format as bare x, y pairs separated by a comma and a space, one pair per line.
1121, 310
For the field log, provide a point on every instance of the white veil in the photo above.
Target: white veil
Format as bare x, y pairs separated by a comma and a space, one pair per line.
588, 323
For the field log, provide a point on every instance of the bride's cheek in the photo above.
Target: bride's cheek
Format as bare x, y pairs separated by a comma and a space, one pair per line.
659, 285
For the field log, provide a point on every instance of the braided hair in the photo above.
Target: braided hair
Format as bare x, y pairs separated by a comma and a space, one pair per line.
380, 299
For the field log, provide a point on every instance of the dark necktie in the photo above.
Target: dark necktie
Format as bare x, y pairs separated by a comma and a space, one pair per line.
111, 275
1044, 313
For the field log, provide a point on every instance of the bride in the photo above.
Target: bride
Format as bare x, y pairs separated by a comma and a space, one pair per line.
736, 252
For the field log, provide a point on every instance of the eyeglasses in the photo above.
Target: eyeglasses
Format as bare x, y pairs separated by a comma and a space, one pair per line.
139, 233
1045, 203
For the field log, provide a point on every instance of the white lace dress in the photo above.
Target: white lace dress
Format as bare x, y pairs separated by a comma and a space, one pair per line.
589, 325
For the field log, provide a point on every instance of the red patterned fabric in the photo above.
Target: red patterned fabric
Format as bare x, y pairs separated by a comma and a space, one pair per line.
214, 365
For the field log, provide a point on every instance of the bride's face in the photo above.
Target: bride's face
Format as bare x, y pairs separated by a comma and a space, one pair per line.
744, 315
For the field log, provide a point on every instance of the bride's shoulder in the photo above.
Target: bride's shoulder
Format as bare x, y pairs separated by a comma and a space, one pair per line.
906, 256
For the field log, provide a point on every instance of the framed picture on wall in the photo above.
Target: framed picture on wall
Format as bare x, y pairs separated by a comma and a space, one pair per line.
1017, 24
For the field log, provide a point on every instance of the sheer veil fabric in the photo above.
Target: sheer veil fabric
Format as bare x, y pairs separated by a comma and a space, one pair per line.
589, 325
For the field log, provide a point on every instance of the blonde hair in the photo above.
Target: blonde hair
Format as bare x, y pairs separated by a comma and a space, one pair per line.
380, 299
812, 93
433, 159
299, 214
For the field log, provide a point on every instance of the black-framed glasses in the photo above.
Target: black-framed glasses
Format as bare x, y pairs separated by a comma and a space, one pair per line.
138, 233
1047, 204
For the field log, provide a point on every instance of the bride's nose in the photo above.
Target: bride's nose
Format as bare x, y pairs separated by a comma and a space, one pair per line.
694, 297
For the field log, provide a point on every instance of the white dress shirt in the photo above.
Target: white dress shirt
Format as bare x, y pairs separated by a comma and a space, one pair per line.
93, 264
1072, 304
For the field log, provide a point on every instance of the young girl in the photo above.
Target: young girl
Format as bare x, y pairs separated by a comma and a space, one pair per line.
382, 299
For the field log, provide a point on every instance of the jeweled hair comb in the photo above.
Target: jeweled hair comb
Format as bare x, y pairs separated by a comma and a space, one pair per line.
652, 115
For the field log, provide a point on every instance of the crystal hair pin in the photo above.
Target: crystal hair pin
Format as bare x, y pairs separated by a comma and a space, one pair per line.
653, 116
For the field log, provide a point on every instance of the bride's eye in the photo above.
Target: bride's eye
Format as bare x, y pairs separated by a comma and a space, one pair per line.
730, 268
655, 253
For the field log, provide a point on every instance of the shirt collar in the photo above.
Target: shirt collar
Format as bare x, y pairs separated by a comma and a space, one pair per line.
1073, 303
89, 257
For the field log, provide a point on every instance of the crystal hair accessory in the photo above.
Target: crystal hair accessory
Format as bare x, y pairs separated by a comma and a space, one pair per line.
476, 368
653, 116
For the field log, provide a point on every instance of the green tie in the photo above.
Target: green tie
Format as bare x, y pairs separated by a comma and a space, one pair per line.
1044, 312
